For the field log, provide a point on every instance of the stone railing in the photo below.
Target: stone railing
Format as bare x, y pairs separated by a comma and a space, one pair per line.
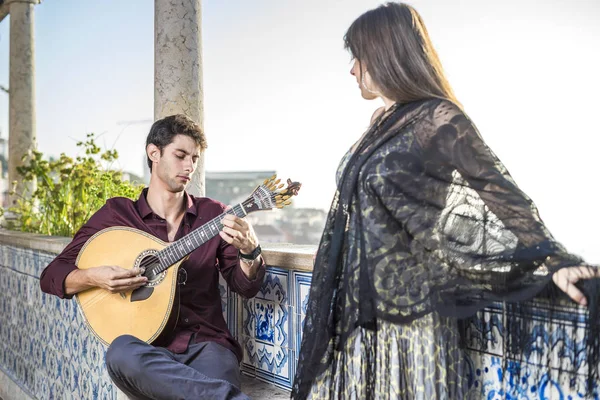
46, 352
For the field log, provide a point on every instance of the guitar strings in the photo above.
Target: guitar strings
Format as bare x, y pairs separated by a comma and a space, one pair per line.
156, 257
152, 259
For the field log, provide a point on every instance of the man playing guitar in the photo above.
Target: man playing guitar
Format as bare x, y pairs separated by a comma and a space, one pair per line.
199, 358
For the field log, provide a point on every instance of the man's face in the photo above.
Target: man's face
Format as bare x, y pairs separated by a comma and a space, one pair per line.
177, 163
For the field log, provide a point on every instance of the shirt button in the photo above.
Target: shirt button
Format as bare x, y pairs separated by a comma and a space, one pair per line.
186, 320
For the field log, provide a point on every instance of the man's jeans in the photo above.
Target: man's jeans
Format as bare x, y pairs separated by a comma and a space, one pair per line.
206, 370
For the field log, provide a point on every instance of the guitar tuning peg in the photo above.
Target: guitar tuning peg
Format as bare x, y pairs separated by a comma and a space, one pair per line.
280, 186
265, 181
277, 181
287, 203
273, 177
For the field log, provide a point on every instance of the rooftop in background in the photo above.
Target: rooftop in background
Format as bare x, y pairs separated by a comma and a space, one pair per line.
234, 175
234, 186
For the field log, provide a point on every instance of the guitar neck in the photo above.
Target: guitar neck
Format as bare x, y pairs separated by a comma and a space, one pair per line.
190, 242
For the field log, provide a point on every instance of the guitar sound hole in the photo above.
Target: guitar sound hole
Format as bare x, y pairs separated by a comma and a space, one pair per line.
152, 268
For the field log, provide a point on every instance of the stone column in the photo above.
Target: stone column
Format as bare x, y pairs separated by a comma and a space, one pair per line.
21, 118
178, 87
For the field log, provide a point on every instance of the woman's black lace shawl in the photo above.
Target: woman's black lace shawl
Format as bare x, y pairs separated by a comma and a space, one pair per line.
425, 218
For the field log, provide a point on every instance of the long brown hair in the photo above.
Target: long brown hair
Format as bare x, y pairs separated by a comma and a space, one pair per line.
392, 43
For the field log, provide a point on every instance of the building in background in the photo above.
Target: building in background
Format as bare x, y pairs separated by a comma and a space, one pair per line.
233, 187
288, 225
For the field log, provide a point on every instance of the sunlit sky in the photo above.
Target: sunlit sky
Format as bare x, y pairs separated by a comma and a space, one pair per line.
279, 96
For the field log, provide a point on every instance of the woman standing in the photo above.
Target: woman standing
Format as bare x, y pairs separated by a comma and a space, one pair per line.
426, 227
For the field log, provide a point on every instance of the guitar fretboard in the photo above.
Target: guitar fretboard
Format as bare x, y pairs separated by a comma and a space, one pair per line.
190, 242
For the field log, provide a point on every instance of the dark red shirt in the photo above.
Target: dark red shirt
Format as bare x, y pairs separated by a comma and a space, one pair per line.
200, 316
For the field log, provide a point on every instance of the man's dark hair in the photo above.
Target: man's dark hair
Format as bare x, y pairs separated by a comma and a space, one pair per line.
164, 131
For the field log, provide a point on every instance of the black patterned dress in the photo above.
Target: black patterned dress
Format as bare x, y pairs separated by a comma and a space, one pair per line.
418, 360
427, 226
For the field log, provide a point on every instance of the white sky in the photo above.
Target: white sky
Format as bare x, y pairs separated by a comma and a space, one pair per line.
279, 96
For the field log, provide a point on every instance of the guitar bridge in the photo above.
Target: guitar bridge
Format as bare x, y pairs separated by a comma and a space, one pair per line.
142, 293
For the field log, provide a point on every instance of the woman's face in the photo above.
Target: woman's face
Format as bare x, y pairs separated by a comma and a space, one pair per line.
367, 94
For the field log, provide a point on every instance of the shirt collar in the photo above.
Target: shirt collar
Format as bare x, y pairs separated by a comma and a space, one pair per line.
144, 208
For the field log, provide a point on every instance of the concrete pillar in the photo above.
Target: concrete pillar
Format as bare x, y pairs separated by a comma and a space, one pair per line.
21, 118
178, 87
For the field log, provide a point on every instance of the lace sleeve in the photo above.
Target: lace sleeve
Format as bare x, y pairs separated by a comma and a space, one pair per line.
482, 196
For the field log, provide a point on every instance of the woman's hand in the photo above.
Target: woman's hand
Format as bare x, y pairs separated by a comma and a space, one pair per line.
566, 278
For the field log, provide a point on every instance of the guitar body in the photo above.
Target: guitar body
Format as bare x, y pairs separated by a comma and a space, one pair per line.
148, 313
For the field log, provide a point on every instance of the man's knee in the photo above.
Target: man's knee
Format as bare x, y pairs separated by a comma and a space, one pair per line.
121, 356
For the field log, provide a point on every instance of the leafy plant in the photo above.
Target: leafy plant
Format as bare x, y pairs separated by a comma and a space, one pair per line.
67, 191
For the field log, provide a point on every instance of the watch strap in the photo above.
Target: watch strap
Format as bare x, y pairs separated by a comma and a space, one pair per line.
252, 256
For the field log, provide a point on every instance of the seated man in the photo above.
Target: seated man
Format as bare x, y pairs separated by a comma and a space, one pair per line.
200, 359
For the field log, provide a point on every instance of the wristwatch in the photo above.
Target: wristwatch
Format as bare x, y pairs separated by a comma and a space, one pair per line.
252, 256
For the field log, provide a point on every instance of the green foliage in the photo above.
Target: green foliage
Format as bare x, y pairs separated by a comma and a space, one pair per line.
68, 190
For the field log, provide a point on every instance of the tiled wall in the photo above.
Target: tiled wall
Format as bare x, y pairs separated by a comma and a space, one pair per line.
44, 345
270, 330
267, 326
49, 353
496, 379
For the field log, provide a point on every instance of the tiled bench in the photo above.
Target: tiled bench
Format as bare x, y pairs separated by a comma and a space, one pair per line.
47, 353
